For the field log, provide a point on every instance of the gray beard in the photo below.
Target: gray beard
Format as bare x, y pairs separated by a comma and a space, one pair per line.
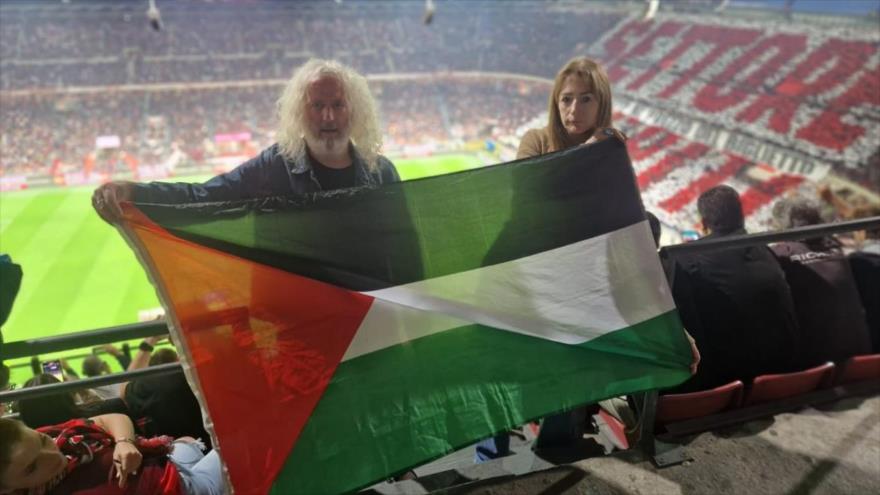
330, 144
327, 145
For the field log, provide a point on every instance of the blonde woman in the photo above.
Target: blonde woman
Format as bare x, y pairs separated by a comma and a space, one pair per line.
579, 110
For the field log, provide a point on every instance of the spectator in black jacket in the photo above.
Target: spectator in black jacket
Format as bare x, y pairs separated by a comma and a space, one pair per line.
865, 264
830, 316
735, 302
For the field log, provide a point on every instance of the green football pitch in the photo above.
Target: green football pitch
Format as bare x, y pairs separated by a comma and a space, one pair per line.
79, 274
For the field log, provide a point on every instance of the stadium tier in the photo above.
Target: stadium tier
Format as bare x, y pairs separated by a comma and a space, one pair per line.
715, 95
816, 90
672, 171
57, 135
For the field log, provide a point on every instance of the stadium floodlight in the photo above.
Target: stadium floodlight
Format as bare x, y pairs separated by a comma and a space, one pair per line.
154, 16
429, 12
651, 7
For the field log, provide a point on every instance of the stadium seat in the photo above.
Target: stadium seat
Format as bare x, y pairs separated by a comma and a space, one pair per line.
679, 407
767, 388
859, 368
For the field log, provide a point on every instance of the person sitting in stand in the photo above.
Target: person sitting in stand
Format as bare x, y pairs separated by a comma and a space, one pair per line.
163, 405
61, 406
826, 300
95, 366
102, 456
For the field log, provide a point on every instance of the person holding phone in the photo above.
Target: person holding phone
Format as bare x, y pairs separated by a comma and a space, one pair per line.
54, 368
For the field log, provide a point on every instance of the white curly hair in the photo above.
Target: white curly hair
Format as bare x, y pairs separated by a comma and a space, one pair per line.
366, 133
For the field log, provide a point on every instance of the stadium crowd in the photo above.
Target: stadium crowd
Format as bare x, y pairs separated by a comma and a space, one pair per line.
722, 296
39, 130
804, 87
114, 47
670, 187
801, 86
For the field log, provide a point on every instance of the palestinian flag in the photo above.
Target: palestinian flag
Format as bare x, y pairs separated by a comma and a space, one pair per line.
340, 338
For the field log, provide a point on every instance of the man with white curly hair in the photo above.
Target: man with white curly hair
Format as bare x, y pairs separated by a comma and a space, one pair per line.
328, 137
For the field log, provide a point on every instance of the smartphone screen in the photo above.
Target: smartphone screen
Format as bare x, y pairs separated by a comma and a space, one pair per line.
53, 368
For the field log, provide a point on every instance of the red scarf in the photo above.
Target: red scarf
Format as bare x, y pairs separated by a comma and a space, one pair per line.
90, 469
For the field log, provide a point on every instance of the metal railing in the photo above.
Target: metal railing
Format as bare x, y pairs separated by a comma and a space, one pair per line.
96, 381
87, 338
773, 236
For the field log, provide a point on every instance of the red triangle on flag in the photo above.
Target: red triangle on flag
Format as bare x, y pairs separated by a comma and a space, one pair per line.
263, 343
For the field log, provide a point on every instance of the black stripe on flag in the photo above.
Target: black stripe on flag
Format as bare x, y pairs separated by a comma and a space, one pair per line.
372, 238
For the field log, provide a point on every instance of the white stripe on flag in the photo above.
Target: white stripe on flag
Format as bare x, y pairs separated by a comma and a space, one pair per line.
571, 295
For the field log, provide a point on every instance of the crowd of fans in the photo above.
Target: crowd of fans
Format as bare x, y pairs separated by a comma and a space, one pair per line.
158, 406
38, 130
804, 87
796, 85
114, 46
160, 417
672, 171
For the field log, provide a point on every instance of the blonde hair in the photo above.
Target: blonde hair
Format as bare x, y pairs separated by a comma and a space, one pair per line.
366, 132
594, 76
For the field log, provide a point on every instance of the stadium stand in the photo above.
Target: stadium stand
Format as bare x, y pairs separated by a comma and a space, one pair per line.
672, 171
797, 85
768, 93
206, 44
57, 135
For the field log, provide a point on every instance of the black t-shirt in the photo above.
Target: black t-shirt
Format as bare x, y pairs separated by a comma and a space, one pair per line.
334, 178
168, 405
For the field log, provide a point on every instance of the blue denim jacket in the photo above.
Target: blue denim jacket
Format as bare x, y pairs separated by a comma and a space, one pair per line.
267, 174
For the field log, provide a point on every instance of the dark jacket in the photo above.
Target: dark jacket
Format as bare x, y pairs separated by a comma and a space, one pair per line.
866, 271
736, 304
267, 174
830, 315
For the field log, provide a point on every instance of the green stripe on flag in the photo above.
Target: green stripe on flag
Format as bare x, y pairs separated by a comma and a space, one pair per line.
400, 407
